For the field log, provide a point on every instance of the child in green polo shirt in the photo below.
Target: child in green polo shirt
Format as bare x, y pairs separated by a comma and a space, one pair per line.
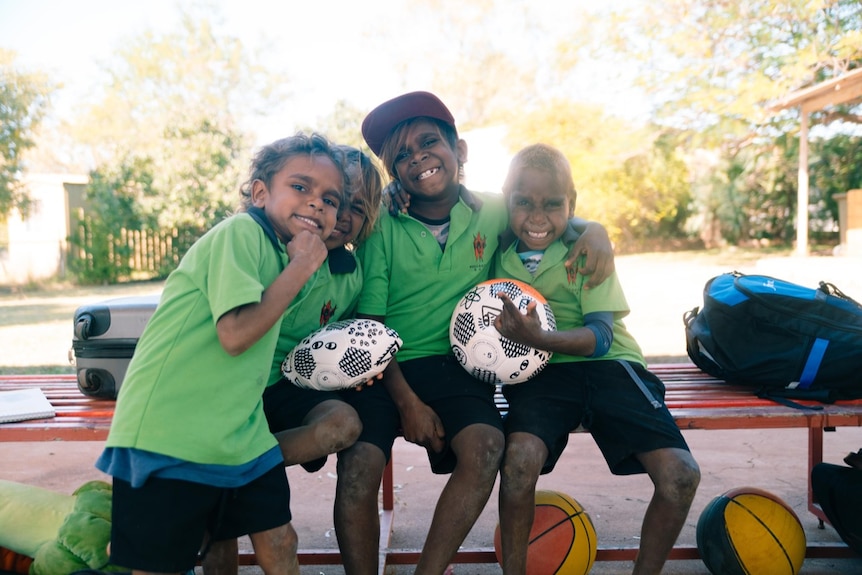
417, 265
311, 424
597, 375
189, 448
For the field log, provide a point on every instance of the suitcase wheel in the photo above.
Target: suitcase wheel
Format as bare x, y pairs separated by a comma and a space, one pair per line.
97, 383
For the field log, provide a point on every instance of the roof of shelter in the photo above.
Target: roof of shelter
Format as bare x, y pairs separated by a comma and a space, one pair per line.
831, 92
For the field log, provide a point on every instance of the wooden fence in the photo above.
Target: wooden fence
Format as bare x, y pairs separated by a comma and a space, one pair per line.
129, 254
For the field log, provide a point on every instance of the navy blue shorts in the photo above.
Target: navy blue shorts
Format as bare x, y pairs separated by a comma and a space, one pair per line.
624, 417
160, 526
286, 405
456, 397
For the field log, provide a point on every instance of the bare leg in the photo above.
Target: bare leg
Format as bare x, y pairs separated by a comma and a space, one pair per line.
329, 427
357, 523
221, 558
276, 550
522, 463
675, 475
479, 449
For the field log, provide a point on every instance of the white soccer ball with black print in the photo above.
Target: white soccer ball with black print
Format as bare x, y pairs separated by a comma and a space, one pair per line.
480, 348
341, 355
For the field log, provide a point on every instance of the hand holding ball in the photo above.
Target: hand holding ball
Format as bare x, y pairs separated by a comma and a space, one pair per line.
480, 348
341, 355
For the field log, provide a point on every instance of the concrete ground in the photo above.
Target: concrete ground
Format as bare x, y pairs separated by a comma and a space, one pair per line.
774, 460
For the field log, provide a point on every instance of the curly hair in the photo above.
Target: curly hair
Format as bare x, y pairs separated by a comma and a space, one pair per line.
271, 158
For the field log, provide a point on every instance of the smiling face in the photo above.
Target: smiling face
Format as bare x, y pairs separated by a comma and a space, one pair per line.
425, 162
349, 223
304, 196
538, 208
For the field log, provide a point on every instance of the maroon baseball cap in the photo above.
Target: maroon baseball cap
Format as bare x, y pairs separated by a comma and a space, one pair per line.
380, 122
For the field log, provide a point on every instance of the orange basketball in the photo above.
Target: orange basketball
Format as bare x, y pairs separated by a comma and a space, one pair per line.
562, 540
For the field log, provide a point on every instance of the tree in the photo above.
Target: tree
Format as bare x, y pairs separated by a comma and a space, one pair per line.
167, 141
719, 64
116, 195
190, 76
751, 195
714, 68
24, 101
342, 125
198, 174
836, 166
176, 101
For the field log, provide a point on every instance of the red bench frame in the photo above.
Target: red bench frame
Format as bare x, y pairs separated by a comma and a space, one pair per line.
696, 400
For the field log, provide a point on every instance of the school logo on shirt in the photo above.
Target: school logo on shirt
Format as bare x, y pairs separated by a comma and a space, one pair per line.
571, 272
479, 244
326, 313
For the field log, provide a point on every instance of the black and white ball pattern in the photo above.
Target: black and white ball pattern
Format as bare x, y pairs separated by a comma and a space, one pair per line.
479, 347
341, 355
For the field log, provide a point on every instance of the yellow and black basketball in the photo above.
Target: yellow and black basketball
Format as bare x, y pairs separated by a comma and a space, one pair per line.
562, 540
749, 530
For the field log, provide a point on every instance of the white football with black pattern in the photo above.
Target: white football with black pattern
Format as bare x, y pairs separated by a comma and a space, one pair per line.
479, 347
341, 355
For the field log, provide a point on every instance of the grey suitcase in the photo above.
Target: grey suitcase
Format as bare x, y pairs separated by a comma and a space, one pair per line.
105, 336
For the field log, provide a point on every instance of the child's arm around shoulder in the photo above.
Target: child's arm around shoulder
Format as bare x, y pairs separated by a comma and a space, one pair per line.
241, 327
595, 243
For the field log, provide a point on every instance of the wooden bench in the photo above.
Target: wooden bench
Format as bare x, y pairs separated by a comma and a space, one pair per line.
696, 400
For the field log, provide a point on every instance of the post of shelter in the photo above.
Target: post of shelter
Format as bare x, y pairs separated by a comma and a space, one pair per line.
802, 188
841, 201
844, 89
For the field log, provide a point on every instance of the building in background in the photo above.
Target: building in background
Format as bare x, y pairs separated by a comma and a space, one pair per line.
34, 249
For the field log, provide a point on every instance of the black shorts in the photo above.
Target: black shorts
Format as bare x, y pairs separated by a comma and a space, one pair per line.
836, 489
287, 405
161, 526
624, 417
456, 397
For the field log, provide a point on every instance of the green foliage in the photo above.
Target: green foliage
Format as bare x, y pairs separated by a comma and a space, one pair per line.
752, 193
755, 196
167, 139
200, 169
715, 69
24, 100
720, 64
836, 167
114, 198
178, 80
654, 192
342, 125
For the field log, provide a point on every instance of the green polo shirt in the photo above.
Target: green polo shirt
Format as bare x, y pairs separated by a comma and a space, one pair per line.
184, 396
330, 295
414, 284
569, 301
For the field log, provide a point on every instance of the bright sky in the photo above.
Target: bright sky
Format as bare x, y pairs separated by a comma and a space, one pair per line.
73, 40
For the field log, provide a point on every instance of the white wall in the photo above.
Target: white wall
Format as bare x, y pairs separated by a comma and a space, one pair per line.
37, 244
